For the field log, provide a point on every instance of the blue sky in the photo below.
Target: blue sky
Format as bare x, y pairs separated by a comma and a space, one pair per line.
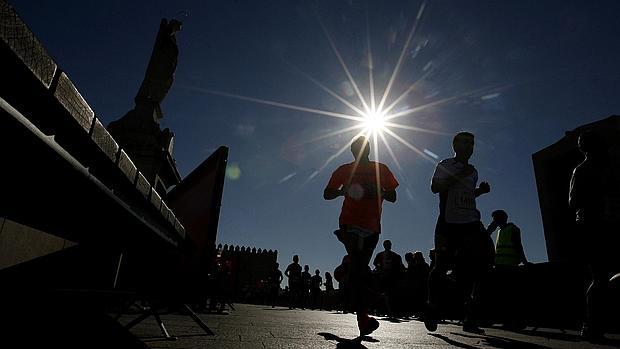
521, 74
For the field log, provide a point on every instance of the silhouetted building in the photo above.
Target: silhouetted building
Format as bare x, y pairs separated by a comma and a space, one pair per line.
249, 270
553, 167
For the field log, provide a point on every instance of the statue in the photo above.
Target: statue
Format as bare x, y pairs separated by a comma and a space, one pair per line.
160, 71
138, 131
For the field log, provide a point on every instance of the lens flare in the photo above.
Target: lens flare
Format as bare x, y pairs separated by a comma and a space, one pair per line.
373, 116
374, 122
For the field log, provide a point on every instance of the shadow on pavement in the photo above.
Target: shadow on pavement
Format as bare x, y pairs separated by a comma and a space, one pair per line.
344, 343
394, 320
173, 338
502, 343
453, 342
548, 335
566, 337
214, 312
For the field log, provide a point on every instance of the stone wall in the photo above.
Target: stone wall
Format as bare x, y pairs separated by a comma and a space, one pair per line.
249, 267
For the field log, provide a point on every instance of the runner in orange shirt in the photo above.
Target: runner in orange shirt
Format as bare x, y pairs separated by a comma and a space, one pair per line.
364, 185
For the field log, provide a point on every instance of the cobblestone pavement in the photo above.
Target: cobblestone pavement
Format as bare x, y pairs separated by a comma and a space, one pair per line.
253, 326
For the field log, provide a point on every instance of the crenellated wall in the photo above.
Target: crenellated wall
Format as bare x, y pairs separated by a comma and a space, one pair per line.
249, 267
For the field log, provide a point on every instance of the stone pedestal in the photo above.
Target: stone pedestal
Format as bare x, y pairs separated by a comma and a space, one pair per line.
138, 133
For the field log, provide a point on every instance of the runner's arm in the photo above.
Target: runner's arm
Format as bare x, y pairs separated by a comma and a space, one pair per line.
336, 186
483, 188
331, 193
377, 261
388, 184
492, 227
574, 194
389, 195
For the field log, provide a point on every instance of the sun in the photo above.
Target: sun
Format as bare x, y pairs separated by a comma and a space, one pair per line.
374, 122
374, 116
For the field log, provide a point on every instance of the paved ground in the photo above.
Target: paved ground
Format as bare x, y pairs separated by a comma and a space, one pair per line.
252, 326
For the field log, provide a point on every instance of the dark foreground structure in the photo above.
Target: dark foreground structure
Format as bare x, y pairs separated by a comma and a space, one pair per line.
567, 275
85, 229
553, 167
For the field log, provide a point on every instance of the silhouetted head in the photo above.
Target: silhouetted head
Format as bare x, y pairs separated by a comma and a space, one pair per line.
277, 265
591, 143
409, 257
418, 257
306, 267
360, 148
463, 144
387, 245
317, 272
296, 258
500, 217
346, 259
328, 275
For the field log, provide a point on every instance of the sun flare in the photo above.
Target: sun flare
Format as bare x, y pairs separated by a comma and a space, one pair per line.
374, 116
374, 122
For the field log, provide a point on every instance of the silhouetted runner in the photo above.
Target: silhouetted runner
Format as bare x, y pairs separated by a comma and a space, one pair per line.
390, 266
329, 283
305, 284
293, 273
460, 237
594, 196
417, 275
316, 281
364, 185
341, 275
275, 279
328, 301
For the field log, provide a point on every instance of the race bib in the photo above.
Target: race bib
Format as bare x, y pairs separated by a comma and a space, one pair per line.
461, 207
462, 199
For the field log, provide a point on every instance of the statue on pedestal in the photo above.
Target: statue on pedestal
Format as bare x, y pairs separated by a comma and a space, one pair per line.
138, 131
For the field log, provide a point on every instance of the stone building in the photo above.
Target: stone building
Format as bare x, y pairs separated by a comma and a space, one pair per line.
249, 269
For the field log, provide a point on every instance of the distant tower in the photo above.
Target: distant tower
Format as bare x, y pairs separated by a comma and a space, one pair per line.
138, 132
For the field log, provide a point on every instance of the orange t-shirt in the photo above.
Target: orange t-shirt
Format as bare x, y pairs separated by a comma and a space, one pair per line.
362, 205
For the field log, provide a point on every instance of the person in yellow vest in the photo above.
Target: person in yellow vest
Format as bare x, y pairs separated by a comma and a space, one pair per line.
509, 277
508, 247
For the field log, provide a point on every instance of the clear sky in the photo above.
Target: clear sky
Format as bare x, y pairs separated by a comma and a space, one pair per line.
518, 74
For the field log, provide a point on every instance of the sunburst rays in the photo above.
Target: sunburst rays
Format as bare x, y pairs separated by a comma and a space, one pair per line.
373, 118
402, 55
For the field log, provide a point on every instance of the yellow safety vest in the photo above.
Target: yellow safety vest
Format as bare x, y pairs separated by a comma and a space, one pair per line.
505, 251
